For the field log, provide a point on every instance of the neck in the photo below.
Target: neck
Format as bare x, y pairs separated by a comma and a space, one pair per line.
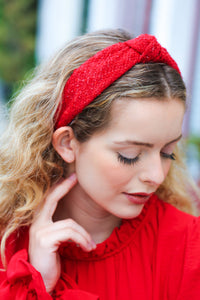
83, 210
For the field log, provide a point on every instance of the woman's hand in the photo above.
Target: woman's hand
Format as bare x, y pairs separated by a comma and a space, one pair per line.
46, 235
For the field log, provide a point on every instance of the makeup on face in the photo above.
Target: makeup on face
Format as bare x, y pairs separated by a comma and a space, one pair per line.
119, 168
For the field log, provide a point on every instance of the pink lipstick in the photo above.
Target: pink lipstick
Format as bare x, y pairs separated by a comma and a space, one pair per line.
138, 198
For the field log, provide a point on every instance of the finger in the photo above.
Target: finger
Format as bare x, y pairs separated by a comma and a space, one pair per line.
56, 193
51, 240
71, 224
60, 225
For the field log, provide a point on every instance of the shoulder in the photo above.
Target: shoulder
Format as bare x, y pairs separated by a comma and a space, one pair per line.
168, 240
176, 231
172, 218
166, 228
177, 248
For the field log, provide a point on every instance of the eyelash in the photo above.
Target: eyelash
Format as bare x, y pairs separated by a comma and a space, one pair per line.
127, 161
169, 156
132, 161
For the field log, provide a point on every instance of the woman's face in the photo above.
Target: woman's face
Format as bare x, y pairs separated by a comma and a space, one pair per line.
120, 167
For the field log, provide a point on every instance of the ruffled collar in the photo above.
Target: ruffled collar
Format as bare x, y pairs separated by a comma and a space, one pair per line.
119, 238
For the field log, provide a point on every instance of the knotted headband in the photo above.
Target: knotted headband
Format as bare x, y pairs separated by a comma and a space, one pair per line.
96, 74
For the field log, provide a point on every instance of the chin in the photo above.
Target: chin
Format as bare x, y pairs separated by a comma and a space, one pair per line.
130, 213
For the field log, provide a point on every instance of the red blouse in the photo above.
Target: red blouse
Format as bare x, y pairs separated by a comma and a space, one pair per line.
154, 256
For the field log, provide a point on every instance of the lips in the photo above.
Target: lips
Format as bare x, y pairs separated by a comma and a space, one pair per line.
138, 198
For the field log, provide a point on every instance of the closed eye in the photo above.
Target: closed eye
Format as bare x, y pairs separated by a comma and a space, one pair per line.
171, 156
126, 160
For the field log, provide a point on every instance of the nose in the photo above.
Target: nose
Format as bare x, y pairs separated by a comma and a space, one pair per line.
154, 171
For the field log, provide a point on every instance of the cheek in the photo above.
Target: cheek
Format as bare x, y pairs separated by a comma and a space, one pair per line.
102, 170
167, 167
116, 173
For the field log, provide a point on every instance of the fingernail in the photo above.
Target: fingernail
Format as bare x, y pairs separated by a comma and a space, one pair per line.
72, 177
93, 245
89, 246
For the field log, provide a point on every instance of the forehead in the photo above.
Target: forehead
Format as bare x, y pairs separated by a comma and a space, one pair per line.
146, 116
141, 107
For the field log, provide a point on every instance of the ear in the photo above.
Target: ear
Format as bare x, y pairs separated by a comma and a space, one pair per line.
64, 143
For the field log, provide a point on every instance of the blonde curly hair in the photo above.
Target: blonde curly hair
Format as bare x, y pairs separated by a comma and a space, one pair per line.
30, 165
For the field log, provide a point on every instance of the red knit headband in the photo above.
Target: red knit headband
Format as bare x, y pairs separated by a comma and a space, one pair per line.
101, 70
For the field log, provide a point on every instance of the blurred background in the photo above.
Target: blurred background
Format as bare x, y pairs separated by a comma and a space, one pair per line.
32, 31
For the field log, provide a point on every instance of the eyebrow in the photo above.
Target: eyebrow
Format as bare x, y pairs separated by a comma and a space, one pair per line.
138, 143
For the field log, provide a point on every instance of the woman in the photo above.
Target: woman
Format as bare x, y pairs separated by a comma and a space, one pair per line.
91, 173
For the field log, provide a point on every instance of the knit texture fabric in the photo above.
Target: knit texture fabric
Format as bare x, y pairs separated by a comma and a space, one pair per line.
101, 70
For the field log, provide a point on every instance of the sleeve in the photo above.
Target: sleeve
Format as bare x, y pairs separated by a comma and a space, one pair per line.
23, 282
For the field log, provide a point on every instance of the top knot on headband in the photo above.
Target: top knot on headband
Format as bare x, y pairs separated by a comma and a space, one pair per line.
101, 70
